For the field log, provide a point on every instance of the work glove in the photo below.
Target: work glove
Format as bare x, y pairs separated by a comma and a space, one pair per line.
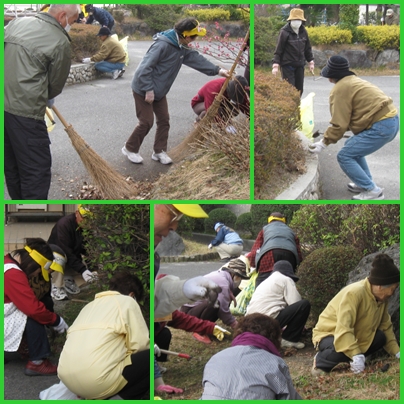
311, 66
275, 69
358, 364
317, 147
89, 276
165, 388
224, 73
210, 246
61, 327
86, 60
219, 332
398, 355
50, 103
157, 351
149, 97
199, 288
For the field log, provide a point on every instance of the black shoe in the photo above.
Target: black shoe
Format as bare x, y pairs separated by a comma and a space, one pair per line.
121, 72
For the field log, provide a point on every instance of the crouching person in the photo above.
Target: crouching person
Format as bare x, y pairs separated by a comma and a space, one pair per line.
25, 315
252, 368
356, 322
107, 347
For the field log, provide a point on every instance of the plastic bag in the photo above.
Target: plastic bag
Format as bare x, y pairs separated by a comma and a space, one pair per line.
124, 43
58, 392
49, 120
244, 297
307, 115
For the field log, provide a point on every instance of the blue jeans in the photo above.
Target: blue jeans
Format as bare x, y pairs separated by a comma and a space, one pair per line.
351, 157
108, 67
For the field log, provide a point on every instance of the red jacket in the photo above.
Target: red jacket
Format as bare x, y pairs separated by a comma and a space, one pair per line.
18, 291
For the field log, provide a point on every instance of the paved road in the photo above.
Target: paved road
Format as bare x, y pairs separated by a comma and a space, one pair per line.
186, 270
103, 113
384, 164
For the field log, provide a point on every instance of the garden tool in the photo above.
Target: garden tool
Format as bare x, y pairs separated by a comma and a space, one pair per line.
180, 355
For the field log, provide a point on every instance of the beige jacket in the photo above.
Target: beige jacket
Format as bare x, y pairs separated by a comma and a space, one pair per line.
355, 105
353, 316
111, 51
99, 345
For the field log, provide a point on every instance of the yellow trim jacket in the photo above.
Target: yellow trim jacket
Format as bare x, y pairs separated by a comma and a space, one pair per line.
111, 51
353, 316
355, 105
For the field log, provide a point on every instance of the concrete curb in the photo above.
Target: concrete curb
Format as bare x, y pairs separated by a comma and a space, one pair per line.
306, 187
211, 256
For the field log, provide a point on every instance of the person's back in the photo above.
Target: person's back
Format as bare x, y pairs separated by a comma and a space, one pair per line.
100, 343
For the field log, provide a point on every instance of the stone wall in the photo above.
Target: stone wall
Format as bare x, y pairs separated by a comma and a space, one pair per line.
81, 73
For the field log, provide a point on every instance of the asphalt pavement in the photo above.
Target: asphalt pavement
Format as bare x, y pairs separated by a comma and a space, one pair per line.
384, 164
103, 113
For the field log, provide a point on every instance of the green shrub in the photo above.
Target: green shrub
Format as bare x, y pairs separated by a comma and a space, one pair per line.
329, 35
244, 223
219, 215
118, 15
209, 14
117, 237
380, 37
276, 118
368, 228
84, 43
266, 31
237, 14
323, 273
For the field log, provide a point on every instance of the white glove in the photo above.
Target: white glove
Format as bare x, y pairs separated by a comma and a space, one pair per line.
157, 351
61, 327
231, 129
317, 147
89, 276
210, 246
311, 66
200, 287
358, 363
398, 355
223, 73
86, 60
275, 68
149, 97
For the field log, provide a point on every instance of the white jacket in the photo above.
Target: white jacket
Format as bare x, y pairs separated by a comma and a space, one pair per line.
273, 295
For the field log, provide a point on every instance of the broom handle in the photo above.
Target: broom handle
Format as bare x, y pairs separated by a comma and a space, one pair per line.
61, 119
221, 92
49, 116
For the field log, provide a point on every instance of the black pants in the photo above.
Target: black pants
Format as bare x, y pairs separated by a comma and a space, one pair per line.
279, 255
294, 317
327, 357
294, 76
163, 340
27, 158
204, 311
138, 376
37, 340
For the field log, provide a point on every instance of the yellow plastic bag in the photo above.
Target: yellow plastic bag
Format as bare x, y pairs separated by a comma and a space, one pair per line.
124, 43
307, 115
244, 297
49, 120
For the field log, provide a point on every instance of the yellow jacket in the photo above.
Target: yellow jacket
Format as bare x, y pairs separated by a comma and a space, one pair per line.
111, 51
99, 344
353, 316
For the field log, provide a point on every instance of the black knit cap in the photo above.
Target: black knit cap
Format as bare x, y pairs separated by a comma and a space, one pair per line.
104, 31
337, 67
384, 271
285, 268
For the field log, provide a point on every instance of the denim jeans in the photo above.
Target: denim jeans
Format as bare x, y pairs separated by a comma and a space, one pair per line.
351, 157
108, 67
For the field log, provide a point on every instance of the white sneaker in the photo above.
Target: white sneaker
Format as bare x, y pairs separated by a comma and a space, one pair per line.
115, 74
231, 129
375, 194
71, 287
352, 187
162, 157
290, 344
58, 293
133, 157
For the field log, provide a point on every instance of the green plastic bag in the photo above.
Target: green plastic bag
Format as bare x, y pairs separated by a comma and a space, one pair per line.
244, 297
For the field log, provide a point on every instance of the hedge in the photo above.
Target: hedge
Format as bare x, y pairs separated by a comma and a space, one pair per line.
380, 37
329, 35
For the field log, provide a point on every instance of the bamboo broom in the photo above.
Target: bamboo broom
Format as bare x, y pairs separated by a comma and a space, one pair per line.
110, 184
183, 149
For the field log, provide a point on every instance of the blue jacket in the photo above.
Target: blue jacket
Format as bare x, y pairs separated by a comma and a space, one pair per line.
162, 63
102, 16
228, 236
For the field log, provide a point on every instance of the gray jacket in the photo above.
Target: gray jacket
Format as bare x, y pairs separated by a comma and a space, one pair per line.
37, 58
247, 373
162, 62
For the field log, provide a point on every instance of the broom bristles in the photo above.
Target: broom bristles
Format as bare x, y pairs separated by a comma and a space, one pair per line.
110, 184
